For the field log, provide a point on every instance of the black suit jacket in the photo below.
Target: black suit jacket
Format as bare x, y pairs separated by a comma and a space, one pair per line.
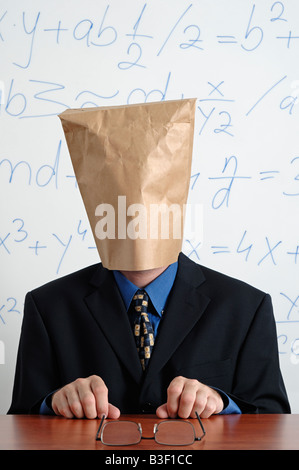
216, 329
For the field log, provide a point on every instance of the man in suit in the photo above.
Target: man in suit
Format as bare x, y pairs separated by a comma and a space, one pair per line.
215, 347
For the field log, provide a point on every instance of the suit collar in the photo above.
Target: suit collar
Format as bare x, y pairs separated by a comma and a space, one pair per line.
158, 290
100, 275
190, 271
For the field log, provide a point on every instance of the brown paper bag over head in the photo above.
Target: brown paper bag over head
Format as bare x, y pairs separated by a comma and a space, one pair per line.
132, 164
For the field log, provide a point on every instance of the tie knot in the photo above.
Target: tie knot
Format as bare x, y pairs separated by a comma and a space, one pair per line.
140, 300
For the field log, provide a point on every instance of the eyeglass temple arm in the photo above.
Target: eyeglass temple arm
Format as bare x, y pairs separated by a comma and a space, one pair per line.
98, 436
201, 425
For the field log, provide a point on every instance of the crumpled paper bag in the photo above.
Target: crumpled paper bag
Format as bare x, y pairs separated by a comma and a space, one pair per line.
132, 164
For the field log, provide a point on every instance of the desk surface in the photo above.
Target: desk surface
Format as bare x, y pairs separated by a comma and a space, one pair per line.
231, 432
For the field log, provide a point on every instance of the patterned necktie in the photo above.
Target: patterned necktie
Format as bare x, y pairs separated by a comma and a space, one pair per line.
143, 330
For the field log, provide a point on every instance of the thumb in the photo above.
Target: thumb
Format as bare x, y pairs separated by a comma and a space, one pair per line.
113, 412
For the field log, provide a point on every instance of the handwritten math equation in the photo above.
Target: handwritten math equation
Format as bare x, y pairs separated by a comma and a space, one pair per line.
46, 98
184, 30
183, 34
266, 250
230, 177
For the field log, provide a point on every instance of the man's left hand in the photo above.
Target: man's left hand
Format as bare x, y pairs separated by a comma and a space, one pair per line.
186, 396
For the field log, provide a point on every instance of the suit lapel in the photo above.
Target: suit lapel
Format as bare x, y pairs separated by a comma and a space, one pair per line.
106, 306
185, 307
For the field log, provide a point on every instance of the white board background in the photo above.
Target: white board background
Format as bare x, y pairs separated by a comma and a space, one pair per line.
238, 58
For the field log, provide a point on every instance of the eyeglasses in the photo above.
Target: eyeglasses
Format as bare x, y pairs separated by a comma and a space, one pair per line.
173, 432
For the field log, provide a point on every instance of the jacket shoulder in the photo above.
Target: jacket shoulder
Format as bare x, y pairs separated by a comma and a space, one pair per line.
218, 283
221, 279
77, 281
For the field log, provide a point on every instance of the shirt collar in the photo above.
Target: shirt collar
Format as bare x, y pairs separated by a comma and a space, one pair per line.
158, 290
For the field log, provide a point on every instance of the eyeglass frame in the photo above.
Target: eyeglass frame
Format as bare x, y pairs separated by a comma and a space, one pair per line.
98, 436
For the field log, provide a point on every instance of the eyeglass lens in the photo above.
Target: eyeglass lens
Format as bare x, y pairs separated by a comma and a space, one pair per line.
175, 433
121, 433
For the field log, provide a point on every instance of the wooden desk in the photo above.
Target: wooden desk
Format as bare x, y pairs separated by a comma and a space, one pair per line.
231, 432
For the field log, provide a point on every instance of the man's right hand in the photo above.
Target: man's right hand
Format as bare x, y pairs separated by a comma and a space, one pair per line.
84, 398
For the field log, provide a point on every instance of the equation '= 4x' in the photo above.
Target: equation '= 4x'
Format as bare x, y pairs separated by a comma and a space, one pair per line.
270, 252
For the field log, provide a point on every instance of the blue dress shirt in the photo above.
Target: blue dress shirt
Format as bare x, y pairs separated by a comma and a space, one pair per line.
158, 291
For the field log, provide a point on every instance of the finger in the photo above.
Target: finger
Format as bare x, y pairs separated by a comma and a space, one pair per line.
188, 398
72, 394
173, 396
86, 399
75, 404
162, 412
100, 392
208, 410
60, 405
210, 404
219, 401
201, 405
